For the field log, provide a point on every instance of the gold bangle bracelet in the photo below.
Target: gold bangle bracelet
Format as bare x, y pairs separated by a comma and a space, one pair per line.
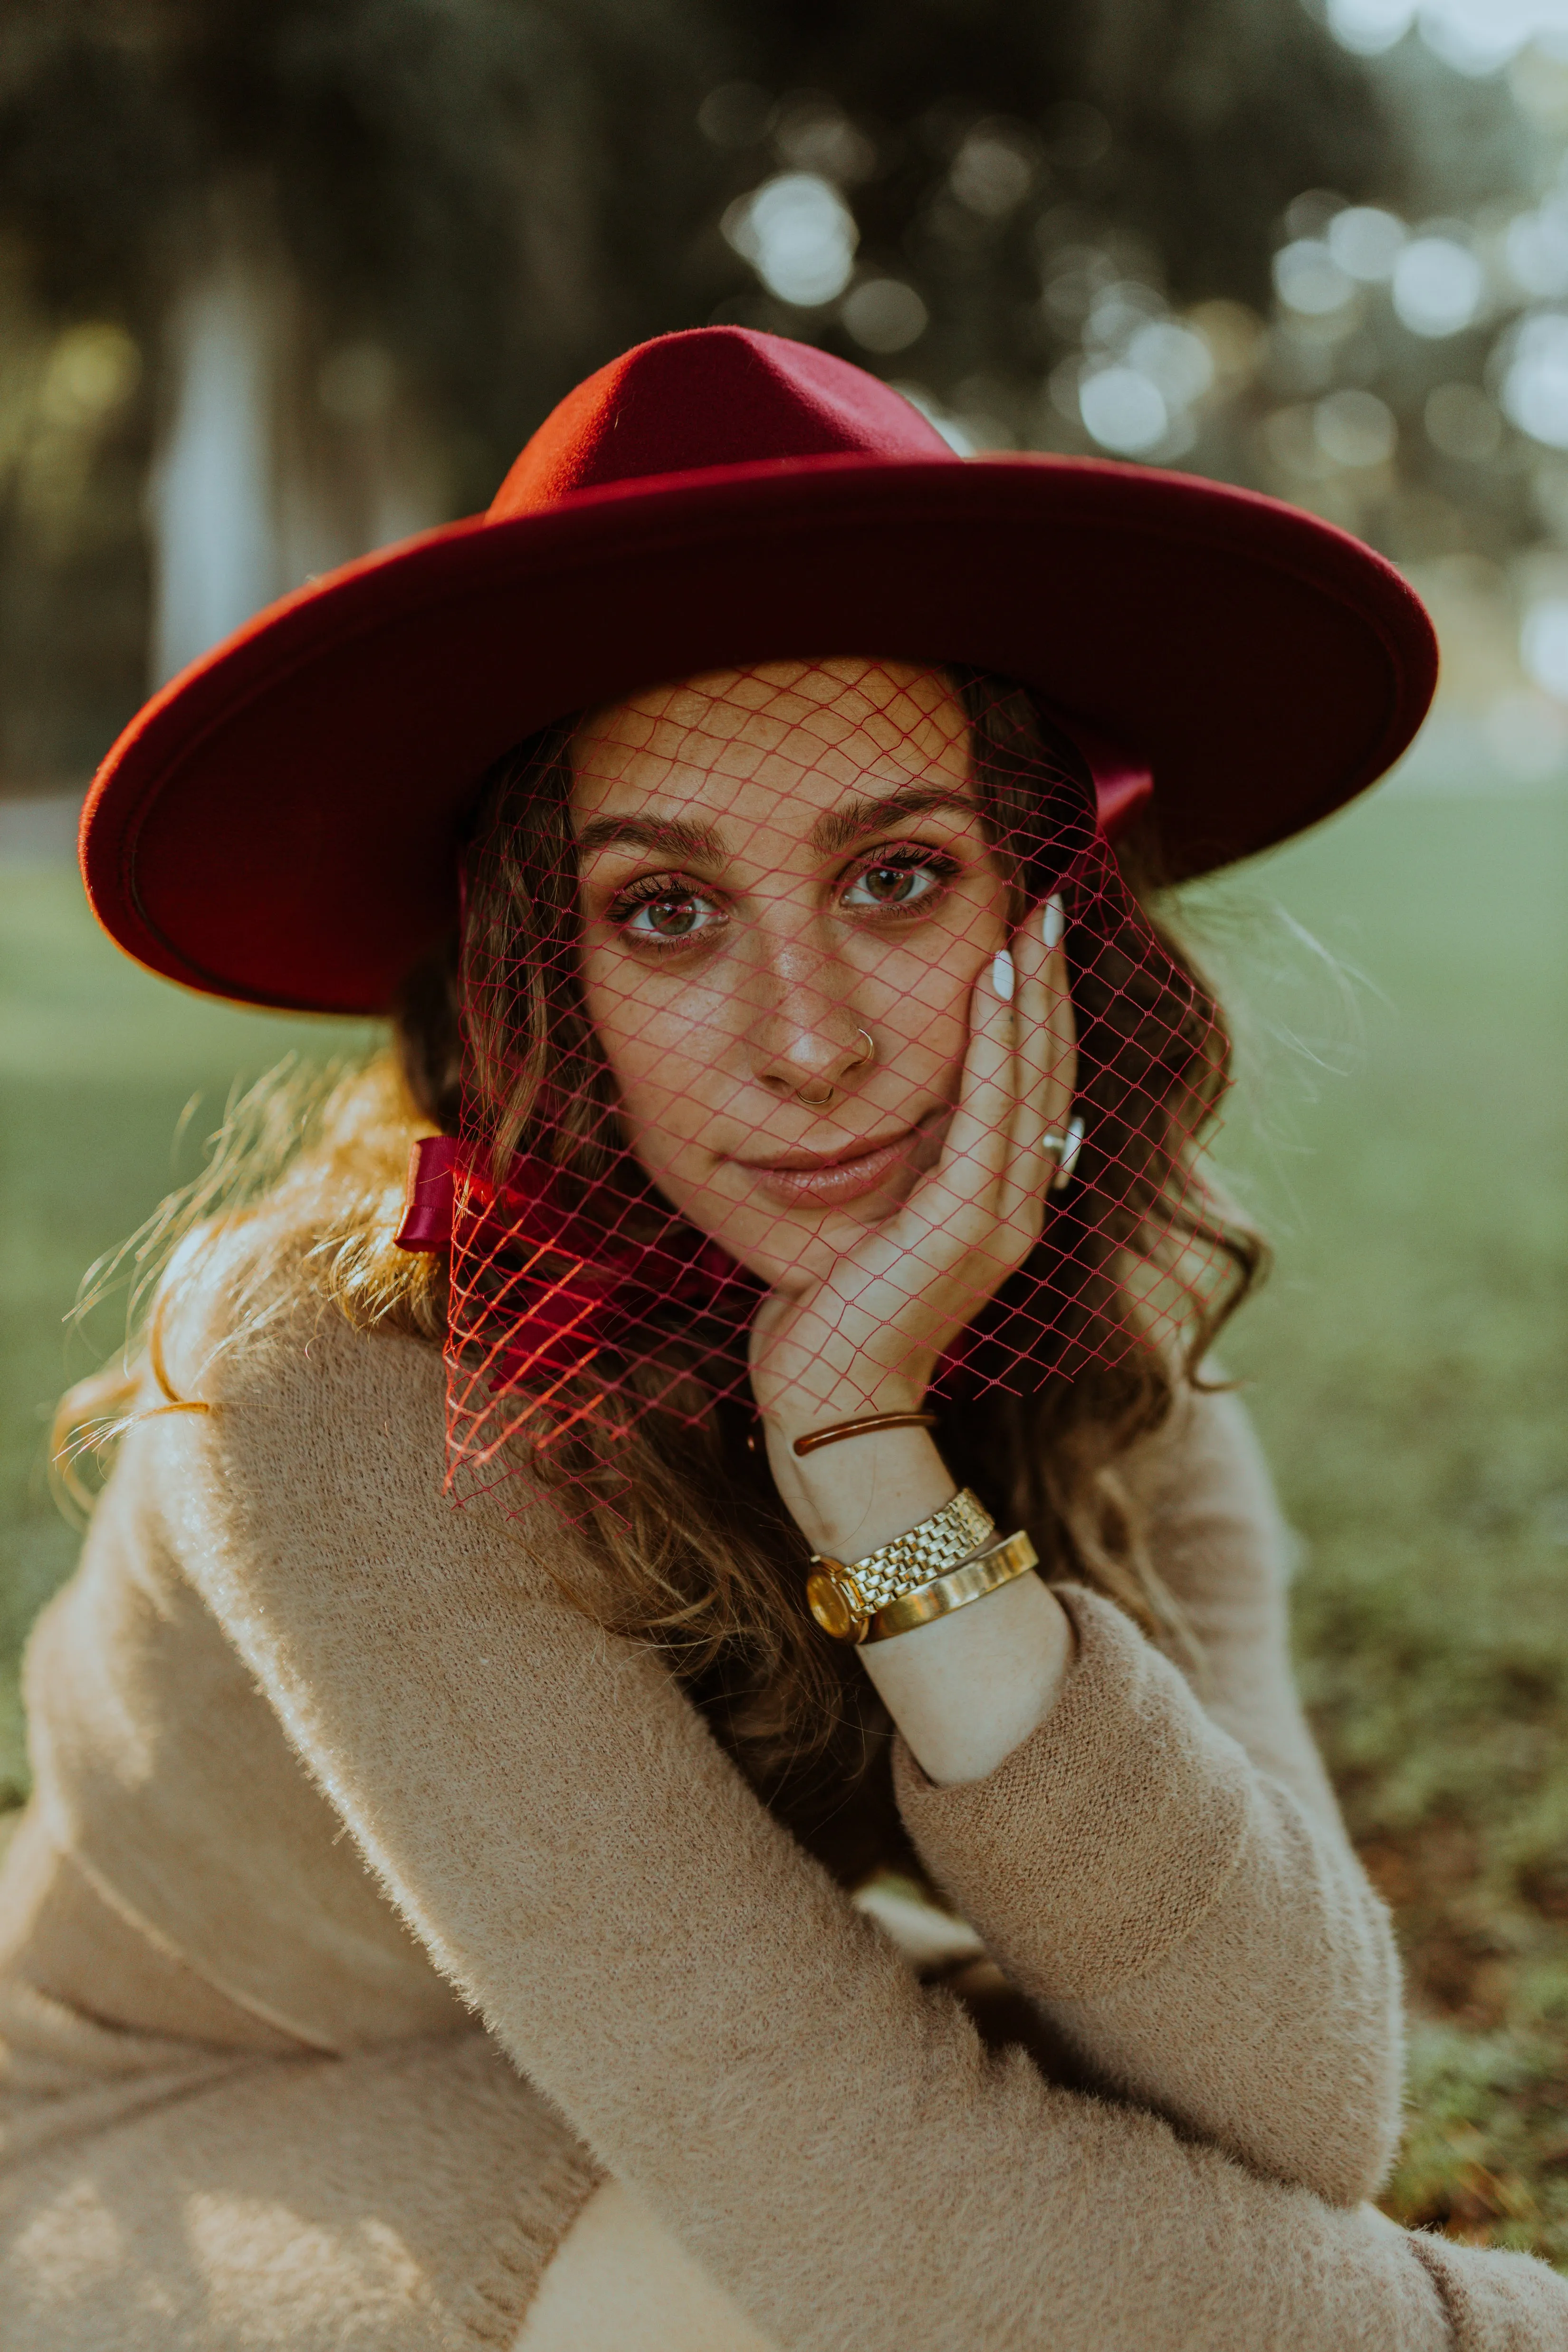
997, 1565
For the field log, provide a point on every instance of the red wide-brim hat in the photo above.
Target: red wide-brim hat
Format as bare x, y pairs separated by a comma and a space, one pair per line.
281, 825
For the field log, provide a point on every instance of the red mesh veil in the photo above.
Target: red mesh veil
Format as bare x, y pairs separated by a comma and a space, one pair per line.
733, 928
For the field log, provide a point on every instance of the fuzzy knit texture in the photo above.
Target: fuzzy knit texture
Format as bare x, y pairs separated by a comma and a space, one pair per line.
373, 1906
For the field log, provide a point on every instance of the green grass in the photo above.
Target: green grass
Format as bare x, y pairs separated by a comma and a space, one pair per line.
99, 1064
1405, 1362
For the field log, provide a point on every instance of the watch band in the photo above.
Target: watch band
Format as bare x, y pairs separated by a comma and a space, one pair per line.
838, 1607
922, 1552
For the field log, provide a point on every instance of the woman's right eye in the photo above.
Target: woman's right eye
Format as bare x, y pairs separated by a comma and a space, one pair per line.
672, 917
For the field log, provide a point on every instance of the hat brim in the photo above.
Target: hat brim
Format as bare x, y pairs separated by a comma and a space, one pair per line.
278, 825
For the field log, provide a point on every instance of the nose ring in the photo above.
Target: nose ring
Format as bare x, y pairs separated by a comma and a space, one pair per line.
821, 1101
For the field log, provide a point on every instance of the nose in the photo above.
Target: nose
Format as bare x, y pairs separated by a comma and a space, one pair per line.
805, 1039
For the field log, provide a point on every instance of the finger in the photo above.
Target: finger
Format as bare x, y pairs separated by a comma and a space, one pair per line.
1061, 1088
1026, 1174
953, 1217
1048, 1056
953, 1211
1058, 1083
974, 1152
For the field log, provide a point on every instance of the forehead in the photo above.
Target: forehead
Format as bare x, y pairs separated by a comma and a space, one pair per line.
753, 741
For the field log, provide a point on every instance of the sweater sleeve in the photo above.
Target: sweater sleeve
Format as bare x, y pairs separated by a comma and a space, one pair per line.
826, 2136
1170, 1882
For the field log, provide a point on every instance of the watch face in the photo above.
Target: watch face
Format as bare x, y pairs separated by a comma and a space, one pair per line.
835, 1607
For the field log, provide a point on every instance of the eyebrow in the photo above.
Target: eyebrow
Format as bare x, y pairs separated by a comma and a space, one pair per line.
674, 835
835, 829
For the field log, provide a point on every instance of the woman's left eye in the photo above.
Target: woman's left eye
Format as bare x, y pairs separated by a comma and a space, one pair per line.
896, 882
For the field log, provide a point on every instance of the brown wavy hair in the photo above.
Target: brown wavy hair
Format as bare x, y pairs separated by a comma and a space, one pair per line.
678, 1507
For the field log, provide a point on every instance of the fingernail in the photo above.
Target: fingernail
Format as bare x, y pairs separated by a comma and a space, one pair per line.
1072, 1144
1053, 923
1002, 975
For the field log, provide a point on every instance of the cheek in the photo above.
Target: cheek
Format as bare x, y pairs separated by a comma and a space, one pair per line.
919, 1002
662, 1046
918, 992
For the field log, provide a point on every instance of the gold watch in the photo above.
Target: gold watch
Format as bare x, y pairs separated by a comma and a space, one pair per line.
844, 1597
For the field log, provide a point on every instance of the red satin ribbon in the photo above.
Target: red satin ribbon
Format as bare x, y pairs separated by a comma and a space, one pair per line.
427, 1227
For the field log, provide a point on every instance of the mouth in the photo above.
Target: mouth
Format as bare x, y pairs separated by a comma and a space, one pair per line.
823, 1180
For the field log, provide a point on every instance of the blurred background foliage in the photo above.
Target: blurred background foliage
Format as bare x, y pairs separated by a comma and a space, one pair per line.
282, 280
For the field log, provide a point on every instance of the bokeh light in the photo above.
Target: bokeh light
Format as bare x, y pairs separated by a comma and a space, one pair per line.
92, 368
994, 168
1543, 645
1123, 409
1535, 379
1365, 242
813, 133
1355, 428
1535, 248
1308, 278
1174, 358
1439, 285
1370, 27
798, 234
884, 314
1474, 36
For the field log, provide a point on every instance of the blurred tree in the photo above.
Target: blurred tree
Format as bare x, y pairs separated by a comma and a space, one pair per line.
361, 245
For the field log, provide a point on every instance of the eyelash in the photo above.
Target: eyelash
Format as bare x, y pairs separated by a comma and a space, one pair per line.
673, 889
653, 890
910, 857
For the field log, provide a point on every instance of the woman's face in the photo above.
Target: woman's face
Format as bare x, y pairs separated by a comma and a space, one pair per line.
781, 866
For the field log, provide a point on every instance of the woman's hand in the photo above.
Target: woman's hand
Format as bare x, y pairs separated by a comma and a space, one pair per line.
861, 1332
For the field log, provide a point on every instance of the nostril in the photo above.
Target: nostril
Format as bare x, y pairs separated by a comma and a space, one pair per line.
806, 1060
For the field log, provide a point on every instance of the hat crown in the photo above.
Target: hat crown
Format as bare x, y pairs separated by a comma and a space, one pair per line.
712, 396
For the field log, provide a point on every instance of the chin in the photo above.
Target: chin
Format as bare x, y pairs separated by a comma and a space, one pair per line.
775, 1243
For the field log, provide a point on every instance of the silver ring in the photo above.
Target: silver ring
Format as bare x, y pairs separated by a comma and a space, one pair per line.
1067, 1149
871, 1053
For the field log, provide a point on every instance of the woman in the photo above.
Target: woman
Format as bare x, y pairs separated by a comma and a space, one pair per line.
521, 1616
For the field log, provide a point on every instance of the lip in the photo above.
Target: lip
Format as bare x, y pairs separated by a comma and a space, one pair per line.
821, 1179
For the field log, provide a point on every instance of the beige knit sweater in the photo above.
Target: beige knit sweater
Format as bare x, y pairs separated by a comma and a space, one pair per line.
373, 1905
